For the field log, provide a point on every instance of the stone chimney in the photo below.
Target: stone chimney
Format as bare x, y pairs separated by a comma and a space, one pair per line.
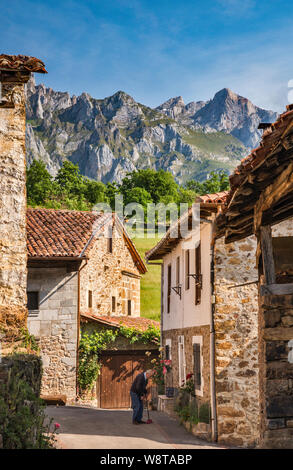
15, 71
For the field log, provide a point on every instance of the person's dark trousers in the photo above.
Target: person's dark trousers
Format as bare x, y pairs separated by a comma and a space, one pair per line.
137, 406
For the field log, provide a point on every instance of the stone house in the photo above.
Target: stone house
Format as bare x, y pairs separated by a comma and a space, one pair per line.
259, 206
15, 71
210, 324
78, 263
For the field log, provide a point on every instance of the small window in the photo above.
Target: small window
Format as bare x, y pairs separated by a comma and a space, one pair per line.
169, 288
187, 269
110, 240
33, 300
90, 299
129, 307
113, 304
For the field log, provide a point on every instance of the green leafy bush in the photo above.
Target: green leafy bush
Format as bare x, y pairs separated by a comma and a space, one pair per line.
23, 423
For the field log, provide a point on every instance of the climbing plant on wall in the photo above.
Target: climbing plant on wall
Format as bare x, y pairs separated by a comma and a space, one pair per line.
92, 344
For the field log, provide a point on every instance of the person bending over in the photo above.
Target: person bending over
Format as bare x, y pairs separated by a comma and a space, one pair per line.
137, 392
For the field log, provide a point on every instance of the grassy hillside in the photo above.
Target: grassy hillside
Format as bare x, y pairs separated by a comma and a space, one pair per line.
150, 290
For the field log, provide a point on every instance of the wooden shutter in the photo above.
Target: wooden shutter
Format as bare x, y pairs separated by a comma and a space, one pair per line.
198, 285
169, 289
197, 366
178, 270
187, 270
167, 351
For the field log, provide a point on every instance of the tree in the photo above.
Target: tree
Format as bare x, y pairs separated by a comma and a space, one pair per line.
70, 180
95, 191
217, 182
159, 184
39, 184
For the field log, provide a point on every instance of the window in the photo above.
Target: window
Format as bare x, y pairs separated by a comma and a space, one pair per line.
178, 271
169, 288
33, 300
129, 307
198, 279
113, 304
187, 269
110, 240
197, 366
90, 299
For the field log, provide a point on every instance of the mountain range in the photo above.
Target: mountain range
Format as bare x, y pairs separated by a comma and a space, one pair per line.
112, 136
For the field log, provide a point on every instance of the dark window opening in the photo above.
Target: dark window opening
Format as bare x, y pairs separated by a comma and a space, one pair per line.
129, 307
90, 299
113, 304
110, 241
33, 300
178, 271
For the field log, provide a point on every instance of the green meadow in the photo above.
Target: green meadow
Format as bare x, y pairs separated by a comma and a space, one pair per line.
150, 290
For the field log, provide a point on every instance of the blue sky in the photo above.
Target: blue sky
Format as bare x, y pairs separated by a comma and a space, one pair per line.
155, 50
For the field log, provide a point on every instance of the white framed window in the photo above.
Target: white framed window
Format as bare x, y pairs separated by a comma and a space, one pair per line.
197, 362
181, 361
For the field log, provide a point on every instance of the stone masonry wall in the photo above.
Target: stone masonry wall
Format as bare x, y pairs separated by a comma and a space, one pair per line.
55, 325
105, 276
236, 338
188, 333
13, 256
276, 337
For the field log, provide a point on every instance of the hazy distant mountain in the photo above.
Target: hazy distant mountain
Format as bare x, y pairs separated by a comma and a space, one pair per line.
112, 136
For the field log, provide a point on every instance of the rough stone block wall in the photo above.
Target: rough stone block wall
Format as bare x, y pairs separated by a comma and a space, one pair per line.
55, 325
236, 338
13, 255
188, 333
277, 371
103, 275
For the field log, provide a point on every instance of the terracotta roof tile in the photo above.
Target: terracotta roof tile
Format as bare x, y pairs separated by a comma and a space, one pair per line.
137, 322
60, 233
21, 63
215, 198
65, 233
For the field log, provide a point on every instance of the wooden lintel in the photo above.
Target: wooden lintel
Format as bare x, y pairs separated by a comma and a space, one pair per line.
267, 254
276, 289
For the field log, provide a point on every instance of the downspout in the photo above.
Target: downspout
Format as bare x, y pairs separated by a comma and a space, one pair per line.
213, 351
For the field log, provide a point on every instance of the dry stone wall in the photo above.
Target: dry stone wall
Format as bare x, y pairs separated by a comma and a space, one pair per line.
236, 341
55, 325
110, 275
13, 256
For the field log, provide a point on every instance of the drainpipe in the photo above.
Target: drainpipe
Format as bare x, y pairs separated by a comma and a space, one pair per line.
213, 352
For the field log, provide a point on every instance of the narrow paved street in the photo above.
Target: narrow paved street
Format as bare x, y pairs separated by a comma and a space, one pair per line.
90, 428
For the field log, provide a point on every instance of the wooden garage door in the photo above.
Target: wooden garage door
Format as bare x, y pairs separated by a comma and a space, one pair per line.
117, 375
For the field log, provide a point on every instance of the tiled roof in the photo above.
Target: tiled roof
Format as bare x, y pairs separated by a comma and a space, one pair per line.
21, 63
59, 233
137, 322
167, 243
215, 198
65, 233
